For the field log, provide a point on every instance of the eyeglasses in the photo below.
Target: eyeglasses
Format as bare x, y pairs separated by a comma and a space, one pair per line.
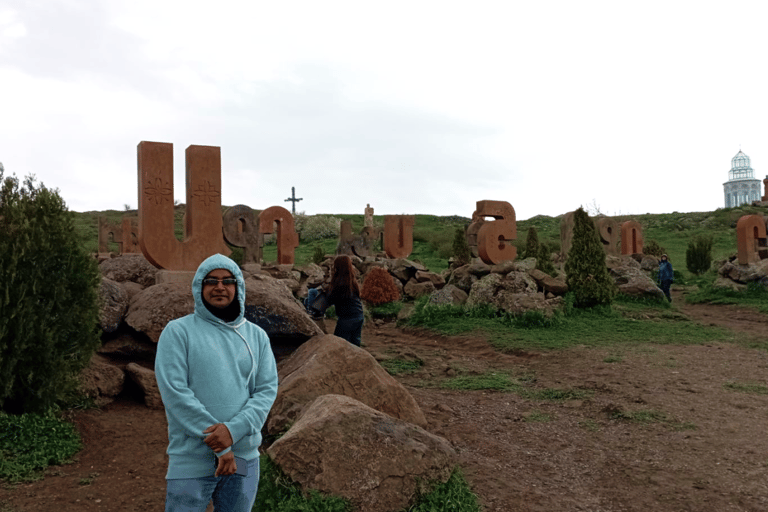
212, 281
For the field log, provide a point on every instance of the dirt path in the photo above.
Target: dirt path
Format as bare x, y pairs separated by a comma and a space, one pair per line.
704, 447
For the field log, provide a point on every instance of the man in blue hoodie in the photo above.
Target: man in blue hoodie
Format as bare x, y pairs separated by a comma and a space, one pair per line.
218, 380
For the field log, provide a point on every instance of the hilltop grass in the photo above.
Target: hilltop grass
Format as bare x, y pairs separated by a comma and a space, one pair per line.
597, 327
755, 296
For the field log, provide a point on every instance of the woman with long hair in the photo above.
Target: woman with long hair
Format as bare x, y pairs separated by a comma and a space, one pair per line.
344, 293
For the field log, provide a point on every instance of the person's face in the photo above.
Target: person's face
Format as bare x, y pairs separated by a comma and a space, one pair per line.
663, 258
219, 295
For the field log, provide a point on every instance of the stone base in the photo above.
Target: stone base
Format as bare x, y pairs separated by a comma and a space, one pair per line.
174, 276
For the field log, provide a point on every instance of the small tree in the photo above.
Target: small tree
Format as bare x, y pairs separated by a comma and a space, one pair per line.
49, 308
698, 255
531, 244
544, 260
652, 248
587, 274
379, 287
461, 253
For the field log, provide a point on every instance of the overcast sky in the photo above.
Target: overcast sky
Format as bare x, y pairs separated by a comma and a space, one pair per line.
412, 106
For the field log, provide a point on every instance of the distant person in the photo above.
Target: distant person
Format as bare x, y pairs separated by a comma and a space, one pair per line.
344, 293
666, 275
217, 378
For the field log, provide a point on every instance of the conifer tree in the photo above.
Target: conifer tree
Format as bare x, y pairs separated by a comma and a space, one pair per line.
587, 274
531, 244
461, 253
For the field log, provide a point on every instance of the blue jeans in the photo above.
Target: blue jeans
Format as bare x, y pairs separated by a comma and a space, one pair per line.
351, 329
231, 493
665, 284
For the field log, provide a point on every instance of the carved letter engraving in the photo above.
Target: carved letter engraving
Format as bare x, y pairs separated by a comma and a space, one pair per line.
494, 237
609, 235
750, 238
398, 235
287, 238
202, 223
631, 237
241, 230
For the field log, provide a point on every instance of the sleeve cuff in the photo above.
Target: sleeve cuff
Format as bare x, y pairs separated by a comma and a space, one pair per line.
224, 451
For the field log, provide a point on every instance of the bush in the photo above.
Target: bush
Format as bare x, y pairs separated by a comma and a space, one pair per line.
532, 244
379, 287
544, 260
48, 299
316, 227
587, 274
698, 255
461, 252
652, 248
318, 255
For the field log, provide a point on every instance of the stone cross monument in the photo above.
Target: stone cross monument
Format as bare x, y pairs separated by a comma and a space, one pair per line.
294, 199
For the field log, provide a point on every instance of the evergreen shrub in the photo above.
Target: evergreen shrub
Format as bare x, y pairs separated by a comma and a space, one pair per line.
587, 275
652, 248
379, 287
532, 244
49, 309
544, 260
461, 252
698, 255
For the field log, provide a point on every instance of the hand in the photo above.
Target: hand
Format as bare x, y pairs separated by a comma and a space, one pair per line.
218, 438
227, 465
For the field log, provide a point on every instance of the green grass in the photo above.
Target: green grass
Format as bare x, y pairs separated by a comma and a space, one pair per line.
277, 493
29, 443
649, 416
397, 366
595, 327
755, 296
752, 388
538, 417
386, 311
522, 386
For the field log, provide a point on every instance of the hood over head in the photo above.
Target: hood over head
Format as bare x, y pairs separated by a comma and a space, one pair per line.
210, 264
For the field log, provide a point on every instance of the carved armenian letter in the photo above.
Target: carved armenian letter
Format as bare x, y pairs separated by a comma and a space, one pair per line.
750, 237
202, 224
398, 235
609, 235
287, 238
631, 237
494, 237
241, 230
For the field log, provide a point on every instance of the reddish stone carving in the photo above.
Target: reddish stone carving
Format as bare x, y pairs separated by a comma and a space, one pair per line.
359, 245
765, 189
608, 230
202, 222
631, 237
494, 237
130, 230
398, 235
125, 235
566, 234
750, 238
241, 230
368, 216
287, 238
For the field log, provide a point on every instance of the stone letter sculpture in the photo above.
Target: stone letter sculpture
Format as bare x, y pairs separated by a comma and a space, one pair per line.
494, 237
109, 232
241, 230
287, 238
131, 236
750, 238
202, 225
631, 238
609, 235
398, 235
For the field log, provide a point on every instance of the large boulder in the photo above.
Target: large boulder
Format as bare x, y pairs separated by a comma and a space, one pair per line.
342, 447
314, 275
548, 283
517, 303
129, 267
114, 304
745, 273
415, 289
405, 269
520, 282
145, 379
152, 308
484, 290
461, 278
633, 281
126, 347
649, 263
449, 294
270, 304
327, 364
436, 279
101, 380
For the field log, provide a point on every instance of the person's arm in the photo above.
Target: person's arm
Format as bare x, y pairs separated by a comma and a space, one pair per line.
171, 372
263, 390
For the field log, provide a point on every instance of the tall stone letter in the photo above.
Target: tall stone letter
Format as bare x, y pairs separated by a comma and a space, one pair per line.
750, 237
241, 230
398, 235
609, 235
202, 226
287, 238
494, 237
631, 237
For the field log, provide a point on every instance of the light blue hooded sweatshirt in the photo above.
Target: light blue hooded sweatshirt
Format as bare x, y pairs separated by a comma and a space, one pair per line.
210, 371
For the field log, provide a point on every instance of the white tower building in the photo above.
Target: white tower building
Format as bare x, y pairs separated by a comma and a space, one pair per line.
741, 187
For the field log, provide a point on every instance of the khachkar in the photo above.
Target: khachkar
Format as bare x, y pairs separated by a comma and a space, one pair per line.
751, 239
203, 219
124, 234
608, 232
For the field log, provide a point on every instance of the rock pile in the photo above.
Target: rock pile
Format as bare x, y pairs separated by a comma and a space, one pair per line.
733, 276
